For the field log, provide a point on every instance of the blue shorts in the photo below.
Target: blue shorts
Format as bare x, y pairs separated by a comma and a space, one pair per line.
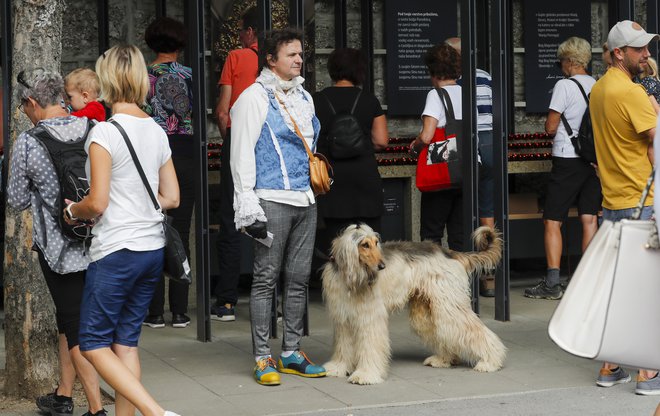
118, 290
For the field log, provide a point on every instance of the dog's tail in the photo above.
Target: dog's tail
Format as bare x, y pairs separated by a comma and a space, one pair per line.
488, 243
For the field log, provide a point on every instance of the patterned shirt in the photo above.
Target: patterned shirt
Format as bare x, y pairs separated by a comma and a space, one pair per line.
652, 87
169, 101
33, 183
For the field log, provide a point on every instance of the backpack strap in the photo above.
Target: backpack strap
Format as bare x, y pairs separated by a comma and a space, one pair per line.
332, 108
446, 103
568, 128
584, 94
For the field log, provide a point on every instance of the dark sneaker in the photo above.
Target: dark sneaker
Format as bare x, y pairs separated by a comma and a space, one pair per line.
101, 412
608, 378
154, 321
55, 405
222, 313
265, 372
180, 320
543, 291
650, 387
298, 364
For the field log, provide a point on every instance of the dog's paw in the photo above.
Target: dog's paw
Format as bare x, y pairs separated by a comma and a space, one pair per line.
486, 367
438, 362
335, 369
364, 378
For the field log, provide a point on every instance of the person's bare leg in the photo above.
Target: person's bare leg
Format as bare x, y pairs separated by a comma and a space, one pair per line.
553, 243
489, 221
67, 371
657, 411
647, 374
88, 378
120, 375
589, 228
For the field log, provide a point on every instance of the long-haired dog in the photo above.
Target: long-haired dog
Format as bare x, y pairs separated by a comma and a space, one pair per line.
364, 281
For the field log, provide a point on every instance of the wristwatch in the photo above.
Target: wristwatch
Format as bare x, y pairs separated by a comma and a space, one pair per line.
68, 213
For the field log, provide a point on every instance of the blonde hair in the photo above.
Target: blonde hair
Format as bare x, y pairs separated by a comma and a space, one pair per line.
576, 50
123, 76
651, 70
83, 80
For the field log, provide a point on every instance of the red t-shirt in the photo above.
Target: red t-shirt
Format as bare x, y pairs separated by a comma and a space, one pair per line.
94, 110
240, 71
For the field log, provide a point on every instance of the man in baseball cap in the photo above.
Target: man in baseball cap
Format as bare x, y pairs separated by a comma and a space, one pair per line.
624, 123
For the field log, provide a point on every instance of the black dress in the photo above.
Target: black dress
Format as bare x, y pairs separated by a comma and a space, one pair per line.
357, 192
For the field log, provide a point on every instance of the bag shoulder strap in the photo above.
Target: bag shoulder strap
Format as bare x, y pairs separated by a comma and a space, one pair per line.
295, 127
568, 128
446, 103
137, 163
584, 94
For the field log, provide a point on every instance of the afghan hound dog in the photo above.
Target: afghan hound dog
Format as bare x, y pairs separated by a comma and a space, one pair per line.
364, 281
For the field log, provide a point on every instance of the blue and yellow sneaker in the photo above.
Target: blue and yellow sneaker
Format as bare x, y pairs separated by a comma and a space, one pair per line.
298, 364
265, 372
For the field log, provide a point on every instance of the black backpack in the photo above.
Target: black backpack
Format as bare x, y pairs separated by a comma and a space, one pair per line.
69, 161
346, 139
583, 142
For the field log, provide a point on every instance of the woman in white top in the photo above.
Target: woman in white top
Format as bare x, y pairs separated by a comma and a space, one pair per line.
127, 248
443, 208
573, 181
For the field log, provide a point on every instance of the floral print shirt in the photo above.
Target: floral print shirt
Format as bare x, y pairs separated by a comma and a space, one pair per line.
169, 101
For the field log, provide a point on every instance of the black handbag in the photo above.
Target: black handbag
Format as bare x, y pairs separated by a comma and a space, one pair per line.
176, 265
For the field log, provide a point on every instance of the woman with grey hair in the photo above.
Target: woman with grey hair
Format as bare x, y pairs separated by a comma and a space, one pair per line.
33, 184
573, 181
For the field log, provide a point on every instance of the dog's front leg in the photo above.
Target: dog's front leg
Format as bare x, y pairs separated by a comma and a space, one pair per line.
342, 362
372, 346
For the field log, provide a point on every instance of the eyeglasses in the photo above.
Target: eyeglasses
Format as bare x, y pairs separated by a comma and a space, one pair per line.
21, 80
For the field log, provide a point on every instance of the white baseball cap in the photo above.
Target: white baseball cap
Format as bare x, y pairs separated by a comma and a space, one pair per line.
629, 33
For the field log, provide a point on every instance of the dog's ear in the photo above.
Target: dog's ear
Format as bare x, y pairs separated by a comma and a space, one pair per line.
347, 257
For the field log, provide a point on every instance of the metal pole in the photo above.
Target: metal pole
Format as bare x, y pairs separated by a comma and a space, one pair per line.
296, 14
264, 8
196, 52
367, 24
6, 62
502, 70
469, 139
161, 8
652, 25
103, 20
621, 10
341, 27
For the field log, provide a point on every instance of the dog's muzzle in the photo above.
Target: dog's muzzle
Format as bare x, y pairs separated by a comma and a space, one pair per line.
381, 265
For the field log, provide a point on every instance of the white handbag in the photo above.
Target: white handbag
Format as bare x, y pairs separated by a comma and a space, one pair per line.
611, 308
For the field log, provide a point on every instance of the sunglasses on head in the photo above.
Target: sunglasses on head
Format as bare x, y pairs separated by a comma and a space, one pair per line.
21, 80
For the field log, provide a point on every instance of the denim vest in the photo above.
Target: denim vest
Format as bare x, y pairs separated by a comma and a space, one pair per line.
281, 160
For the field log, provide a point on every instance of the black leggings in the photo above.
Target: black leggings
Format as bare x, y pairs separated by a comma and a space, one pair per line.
66, 291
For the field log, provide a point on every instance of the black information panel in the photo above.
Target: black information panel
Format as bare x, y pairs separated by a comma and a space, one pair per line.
413, 26
547, 24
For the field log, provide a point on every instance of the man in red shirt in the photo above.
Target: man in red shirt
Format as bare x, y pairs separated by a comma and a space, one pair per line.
239, 72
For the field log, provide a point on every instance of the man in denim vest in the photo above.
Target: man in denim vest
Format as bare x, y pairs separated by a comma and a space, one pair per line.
273, 198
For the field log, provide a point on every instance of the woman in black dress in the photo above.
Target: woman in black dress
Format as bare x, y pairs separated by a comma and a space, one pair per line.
357, 192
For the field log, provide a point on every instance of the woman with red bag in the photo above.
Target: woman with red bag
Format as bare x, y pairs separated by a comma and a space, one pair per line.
442, 208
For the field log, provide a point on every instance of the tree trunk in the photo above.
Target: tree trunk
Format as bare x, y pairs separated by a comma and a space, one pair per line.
30, 330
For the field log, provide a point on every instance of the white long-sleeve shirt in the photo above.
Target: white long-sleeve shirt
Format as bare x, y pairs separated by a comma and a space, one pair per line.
248, 115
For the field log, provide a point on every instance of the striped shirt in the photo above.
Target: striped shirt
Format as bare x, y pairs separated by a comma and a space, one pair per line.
484, 100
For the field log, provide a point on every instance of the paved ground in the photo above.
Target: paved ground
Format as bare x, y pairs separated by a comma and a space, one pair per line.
196, 378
